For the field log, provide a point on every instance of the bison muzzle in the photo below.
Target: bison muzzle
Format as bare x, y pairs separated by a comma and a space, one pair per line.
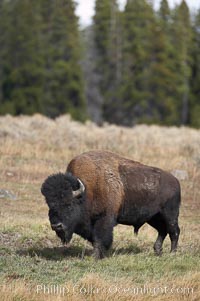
101, 189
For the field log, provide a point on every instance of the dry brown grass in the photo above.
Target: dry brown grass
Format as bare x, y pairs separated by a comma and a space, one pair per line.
94, 288
31, 148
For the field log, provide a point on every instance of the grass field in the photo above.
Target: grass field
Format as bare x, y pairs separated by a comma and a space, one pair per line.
33, 263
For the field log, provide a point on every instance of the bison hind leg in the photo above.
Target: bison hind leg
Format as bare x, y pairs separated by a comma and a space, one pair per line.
170, 213
174, 232
158, 222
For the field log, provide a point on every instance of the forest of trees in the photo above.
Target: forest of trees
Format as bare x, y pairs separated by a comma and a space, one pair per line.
132, 66
40, 55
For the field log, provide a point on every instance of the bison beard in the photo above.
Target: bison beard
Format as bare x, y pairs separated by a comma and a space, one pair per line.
101, 189
61, 235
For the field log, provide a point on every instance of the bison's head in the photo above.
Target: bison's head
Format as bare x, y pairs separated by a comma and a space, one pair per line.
64, 195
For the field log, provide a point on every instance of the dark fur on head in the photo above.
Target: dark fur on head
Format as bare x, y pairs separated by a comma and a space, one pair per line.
65, 209
59, 186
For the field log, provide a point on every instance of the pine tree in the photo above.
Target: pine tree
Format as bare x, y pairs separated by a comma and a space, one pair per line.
164, 13
2, 32
22, 86
108, 49
195, 80
163, 86
138, 24
63, 86
5, 105
182, 39
39, 58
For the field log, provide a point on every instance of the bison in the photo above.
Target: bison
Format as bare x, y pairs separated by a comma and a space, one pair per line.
101, 189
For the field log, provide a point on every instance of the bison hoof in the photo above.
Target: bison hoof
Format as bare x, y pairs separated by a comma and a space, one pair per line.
173, 252
99, 252
158, 252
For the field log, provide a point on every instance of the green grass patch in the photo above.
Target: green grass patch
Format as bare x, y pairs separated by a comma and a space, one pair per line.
57, 265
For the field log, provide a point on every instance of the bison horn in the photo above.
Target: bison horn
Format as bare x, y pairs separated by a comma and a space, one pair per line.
80, 190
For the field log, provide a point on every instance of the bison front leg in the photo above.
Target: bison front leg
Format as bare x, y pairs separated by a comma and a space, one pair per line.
102, 236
